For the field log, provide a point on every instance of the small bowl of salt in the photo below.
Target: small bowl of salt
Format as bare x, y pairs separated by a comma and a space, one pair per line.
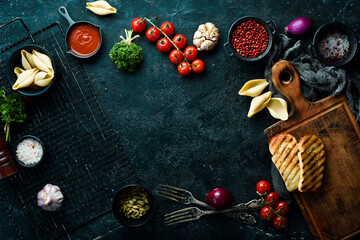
30, 151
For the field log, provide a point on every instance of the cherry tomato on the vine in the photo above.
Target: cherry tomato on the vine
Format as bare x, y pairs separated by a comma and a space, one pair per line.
272, 198
263, 187
282, 208
180, 41
176, 57
138, 25
153, 34
267, 214
198, 66
164, 45
279, 223
168, 28
190, 53
184, 68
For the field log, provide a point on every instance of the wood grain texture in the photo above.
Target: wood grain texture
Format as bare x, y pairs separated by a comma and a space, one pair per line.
334, 211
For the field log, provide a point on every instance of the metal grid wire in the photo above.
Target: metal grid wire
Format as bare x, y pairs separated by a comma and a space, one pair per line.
82, 156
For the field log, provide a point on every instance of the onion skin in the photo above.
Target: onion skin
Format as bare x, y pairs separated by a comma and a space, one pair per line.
219, 198
299, 26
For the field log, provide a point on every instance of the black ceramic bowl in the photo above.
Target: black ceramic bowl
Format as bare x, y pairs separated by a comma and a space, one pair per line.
16, 146
270, 28
130, 222
329, 28
15, 61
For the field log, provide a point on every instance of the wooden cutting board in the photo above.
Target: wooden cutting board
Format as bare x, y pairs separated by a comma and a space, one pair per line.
334, 211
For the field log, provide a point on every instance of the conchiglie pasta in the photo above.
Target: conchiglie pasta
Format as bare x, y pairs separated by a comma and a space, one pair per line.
259, 103
38, 70
254, 87
278, 108
25, 79
100, 8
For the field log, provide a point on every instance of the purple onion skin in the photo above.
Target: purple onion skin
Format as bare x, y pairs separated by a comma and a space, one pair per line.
299, 26
219, 198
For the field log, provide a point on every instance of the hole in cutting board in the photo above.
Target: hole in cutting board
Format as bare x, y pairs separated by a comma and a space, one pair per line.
285, 76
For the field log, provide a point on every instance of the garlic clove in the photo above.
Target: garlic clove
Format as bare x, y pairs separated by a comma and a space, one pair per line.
259, 103
254, 87
278, 108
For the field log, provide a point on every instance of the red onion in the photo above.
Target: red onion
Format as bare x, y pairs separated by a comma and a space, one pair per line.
219, 198
299, 26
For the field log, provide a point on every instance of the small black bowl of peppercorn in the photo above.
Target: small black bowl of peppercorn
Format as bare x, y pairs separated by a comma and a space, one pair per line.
334, 44
133, 205
250, 38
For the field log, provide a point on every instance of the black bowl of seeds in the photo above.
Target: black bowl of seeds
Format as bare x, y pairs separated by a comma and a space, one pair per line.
133, 205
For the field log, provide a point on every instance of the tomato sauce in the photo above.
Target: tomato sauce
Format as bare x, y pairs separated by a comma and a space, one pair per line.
84, 39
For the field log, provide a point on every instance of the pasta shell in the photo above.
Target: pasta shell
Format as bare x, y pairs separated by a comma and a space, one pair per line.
45, 59
18, 71
42, 79
278, 108
100, 8
40, 64
254, 87
25, 79
27, 60
259, 103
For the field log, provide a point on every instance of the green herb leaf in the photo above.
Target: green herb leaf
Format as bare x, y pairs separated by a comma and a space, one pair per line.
126, 55
12, 109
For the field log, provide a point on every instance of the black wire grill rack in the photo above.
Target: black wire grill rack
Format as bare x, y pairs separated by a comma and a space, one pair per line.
83, 156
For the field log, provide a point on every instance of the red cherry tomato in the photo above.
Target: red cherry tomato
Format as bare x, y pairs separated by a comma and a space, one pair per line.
263, 187
176, 57
164, 45
184, 69
168, 28
138, 25
267, 214
272, 198
153, 34
282, 208
279, 223
190, 53
198, 66
180, 41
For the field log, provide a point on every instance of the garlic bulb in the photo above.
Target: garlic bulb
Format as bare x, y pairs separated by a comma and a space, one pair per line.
206, 37
50, 198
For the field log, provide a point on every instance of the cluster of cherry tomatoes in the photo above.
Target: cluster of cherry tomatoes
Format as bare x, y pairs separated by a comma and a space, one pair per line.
164, 45
274, 210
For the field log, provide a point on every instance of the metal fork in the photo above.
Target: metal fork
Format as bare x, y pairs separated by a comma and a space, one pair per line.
180, 195
194, 213
185, 197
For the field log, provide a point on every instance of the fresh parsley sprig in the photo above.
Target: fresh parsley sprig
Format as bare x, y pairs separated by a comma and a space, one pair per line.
12, 109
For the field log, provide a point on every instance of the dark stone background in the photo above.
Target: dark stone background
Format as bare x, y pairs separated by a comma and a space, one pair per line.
191, 132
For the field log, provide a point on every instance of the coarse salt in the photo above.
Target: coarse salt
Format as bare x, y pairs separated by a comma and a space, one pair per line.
29, 151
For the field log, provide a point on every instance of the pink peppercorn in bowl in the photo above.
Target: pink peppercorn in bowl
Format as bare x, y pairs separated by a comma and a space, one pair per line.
29, 151
250, 39
334, 44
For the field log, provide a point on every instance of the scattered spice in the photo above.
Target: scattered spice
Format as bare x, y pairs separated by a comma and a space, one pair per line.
250, 39
29, 151
134, 203
334, 46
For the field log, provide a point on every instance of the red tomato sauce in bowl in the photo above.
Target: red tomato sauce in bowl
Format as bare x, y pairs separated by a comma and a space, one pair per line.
84, 39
